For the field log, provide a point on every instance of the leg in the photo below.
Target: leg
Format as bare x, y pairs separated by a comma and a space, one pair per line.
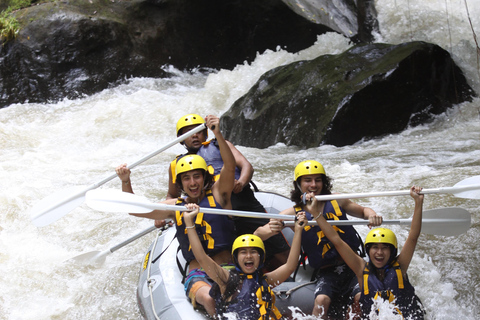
322, 302
203, 297
354, 309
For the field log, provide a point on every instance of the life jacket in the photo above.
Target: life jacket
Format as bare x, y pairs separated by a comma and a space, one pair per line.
394, 288
211, 153
319, 250
251, 299
216, 232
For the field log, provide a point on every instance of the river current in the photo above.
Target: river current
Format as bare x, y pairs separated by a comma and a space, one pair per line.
47, 148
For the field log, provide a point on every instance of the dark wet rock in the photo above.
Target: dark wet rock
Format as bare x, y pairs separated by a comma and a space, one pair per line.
355, 19
366, 92
74, 48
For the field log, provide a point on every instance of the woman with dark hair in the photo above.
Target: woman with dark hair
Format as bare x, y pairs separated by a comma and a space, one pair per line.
244, 292
336, 282
385, 274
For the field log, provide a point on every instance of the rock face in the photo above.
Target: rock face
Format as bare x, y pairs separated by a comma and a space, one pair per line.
356, 19
71, 48
368, 91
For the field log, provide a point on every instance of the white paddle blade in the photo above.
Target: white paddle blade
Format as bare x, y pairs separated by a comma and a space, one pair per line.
109, 200
55, 206
472, 186
94, 257
446, 221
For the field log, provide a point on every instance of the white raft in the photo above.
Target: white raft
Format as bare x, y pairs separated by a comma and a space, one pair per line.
160, 292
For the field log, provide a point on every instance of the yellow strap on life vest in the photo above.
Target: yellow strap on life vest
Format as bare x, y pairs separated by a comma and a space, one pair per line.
336, 207
199, 220
179, 214
398, 271
173, 169
400, 278
264, 304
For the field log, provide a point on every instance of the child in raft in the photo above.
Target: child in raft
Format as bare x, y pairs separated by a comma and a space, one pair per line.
244, 290
385, 274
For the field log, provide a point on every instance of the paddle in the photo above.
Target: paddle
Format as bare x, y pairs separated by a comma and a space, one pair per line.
57, 205
442, 222
98, 257
468, 189
117, 201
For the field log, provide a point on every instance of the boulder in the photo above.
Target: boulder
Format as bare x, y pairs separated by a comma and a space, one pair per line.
366, 92
355, 19
73, 48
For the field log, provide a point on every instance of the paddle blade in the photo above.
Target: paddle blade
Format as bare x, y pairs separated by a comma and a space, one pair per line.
446, 221
93, 257
116, 201
55, 206
473, 186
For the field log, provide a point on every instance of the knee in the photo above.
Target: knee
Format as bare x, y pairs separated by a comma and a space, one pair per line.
322, 300
203, 297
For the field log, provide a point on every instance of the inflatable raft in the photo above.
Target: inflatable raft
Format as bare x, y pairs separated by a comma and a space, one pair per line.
160, 292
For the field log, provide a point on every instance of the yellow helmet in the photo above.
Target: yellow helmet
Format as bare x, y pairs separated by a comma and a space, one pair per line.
308, 167
190, 162
381, 235
248, 241
188, 120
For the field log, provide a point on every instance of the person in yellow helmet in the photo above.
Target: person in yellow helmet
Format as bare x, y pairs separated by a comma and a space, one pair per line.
243, 198
245, 291
195, 180
385, 274
335, 290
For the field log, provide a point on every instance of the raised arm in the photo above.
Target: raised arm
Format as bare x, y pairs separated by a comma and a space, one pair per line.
222, 189
405, 256
352, 259
123, 174
282, 273
213, 270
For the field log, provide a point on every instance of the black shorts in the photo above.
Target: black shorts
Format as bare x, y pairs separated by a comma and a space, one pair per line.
340, 284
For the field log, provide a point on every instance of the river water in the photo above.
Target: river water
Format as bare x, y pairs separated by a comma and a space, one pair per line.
47, 148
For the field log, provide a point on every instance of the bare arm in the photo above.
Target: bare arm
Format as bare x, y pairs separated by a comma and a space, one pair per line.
361, 212
213, 270
405, 256
282, 273
352, 259
246, 169
124, 174
159, 214
273, 227
222, 189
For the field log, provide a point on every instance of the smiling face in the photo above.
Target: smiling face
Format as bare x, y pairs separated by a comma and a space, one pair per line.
192, 183
311, 183
379, 254
248, 259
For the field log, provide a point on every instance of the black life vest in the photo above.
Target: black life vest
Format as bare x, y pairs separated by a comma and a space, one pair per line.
211, 153
216, 232
251, 298
394, 288
319, 250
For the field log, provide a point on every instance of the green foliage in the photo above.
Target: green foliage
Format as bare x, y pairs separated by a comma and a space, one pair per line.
8, 27
8, 23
